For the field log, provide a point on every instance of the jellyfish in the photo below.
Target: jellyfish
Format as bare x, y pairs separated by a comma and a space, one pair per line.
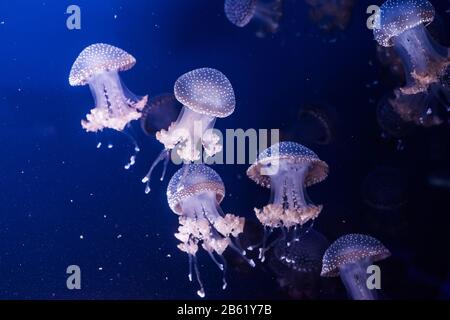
115, 106
287, 168
317, 124
385, 189
350, 256
195, 193
304, 255
206, 94
390, 122
266, 12
331, 14
159, 113
403, 26
421, 108
297, 266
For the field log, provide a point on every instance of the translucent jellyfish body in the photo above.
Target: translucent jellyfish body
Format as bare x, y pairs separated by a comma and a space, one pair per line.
99, 65
266, 12
350, 256
206, 94
195, 193
287, 168
403, 26
115, 106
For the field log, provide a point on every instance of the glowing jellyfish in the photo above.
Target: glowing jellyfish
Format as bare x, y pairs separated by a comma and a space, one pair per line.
115, 106
195, 193
206, 94
331, 14
241, 12
350, 256
403, 26
287, 168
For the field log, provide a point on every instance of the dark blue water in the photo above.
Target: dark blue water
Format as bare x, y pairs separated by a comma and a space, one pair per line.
64, 202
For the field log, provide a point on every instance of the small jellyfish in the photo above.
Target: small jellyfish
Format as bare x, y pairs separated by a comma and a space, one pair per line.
304, 255
206, 94
195, 193
159, 113
115, 106
350, 256
287, 168
403, 26
331, 15
266, 12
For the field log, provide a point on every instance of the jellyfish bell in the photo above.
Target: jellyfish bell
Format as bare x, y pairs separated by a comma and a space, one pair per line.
403, 26
206, 94
159, 113
99, 65
266, 12
287, 168
195, 193
349, 257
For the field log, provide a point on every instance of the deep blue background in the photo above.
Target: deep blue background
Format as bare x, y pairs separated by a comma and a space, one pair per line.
55, 185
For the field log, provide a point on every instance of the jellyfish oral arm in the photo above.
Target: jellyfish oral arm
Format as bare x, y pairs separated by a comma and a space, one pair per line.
187, 134
354, 277
113, 109
425, 61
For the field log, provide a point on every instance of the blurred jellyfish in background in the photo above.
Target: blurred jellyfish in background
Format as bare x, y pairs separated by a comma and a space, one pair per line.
390, 60
425, 62
350, 257
315, 123
159, 113
419, 108
330, 15
115, 106
297, 266
304, 255
195, 194
265, 12
287, 168
385, 191
206, 94
390, 122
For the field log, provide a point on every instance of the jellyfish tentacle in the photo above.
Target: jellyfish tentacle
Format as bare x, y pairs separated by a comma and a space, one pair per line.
165, 154
201, 290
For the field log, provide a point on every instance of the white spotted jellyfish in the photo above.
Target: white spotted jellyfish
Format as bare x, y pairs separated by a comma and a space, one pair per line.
287, 168
99, 65
206, 94
195, 193
267, 13
349, 257
402, 24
